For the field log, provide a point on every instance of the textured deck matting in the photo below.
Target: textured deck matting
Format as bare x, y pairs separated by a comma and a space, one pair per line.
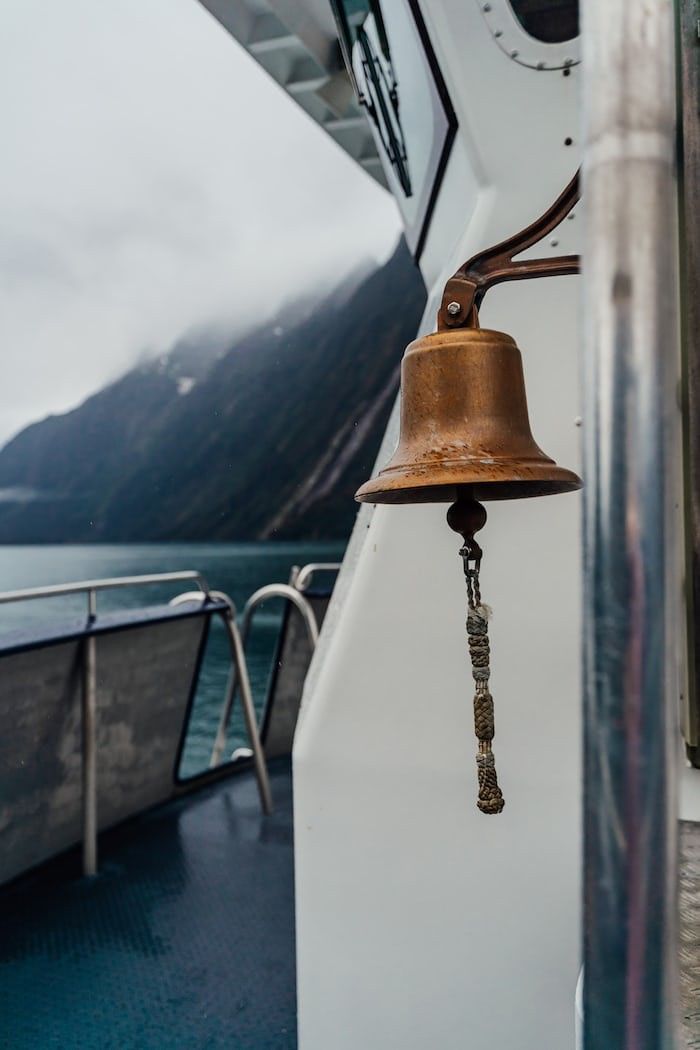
185, 939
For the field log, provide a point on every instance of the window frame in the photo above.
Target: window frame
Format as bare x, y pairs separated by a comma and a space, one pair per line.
514, 40
419, 230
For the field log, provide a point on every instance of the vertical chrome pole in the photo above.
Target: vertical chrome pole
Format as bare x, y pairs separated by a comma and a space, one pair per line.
239, 662
630, 372
89, 729
217, 750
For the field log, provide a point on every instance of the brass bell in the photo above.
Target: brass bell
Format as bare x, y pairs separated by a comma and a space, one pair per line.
465, 436
464, 421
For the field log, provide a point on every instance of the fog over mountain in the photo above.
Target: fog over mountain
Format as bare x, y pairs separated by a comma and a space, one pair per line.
261, 437
154, 181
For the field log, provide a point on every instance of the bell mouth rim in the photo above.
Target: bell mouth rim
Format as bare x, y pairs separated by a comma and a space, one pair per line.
423, 483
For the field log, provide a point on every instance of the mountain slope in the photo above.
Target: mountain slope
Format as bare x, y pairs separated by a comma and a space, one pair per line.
266, 438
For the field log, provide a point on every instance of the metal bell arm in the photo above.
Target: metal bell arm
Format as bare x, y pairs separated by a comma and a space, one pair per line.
466, 289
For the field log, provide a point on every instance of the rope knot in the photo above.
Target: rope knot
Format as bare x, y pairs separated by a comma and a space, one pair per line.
484, 723
490, 798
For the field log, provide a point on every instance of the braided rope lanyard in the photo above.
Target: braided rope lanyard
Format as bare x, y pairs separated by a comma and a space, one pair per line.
490, 798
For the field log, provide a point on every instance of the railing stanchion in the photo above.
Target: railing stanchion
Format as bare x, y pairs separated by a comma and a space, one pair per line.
241, 666
89, 735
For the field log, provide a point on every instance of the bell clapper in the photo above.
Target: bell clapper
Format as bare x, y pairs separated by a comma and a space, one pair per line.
467, 516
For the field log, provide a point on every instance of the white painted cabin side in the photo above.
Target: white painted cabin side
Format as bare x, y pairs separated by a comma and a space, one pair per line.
420, 921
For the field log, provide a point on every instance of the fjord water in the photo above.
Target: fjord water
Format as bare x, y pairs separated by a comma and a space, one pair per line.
238, 569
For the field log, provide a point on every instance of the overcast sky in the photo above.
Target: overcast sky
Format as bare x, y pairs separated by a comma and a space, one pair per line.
153, 179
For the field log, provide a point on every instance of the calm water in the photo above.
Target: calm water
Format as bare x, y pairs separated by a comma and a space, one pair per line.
236, 568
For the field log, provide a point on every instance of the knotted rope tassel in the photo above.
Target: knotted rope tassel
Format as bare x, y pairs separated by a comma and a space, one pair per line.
467, 516
490, 796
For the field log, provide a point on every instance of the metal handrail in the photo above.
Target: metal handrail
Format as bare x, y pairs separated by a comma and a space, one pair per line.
238, 673
303, 578
271, 590
91, 586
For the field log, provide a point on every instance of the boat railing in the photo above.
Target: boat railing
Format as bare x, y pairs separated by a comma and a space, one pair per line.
91, 587
290, 593
222, 605
238, 676
217, 603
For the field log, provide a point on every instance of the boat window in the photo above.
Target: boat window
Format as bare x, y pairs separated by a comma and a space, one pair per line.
354, 13
363, 24
381, 100
551, 21
398, 82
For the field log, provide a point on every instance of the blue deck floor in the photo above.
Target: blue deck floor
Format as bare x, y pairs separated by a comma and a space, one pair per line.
185, 939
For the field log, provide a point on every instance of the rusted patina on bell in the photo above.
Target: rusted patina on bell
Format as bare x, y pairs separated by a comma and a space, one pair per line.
464, 421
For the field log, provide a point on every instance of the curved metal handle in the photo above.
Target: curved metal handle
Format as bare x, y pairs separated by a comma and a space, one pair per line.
280, 590
273, 590
238, 675
303, 578
466, 289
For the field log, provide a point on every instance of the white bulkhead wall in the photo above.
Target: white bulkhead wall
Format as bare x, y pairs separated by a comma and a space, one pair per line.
422, 923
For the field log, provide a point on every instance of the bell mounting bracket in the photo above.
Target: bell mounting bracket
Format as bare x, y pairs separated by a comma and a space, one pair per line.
466, 289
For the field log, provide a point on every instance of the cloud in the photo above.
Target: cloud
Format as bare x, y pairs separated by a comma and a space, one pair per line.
154, 179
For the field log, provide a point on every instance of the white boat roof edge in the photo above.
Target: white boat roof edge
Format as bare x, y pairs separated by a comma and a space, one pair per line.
296, 43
